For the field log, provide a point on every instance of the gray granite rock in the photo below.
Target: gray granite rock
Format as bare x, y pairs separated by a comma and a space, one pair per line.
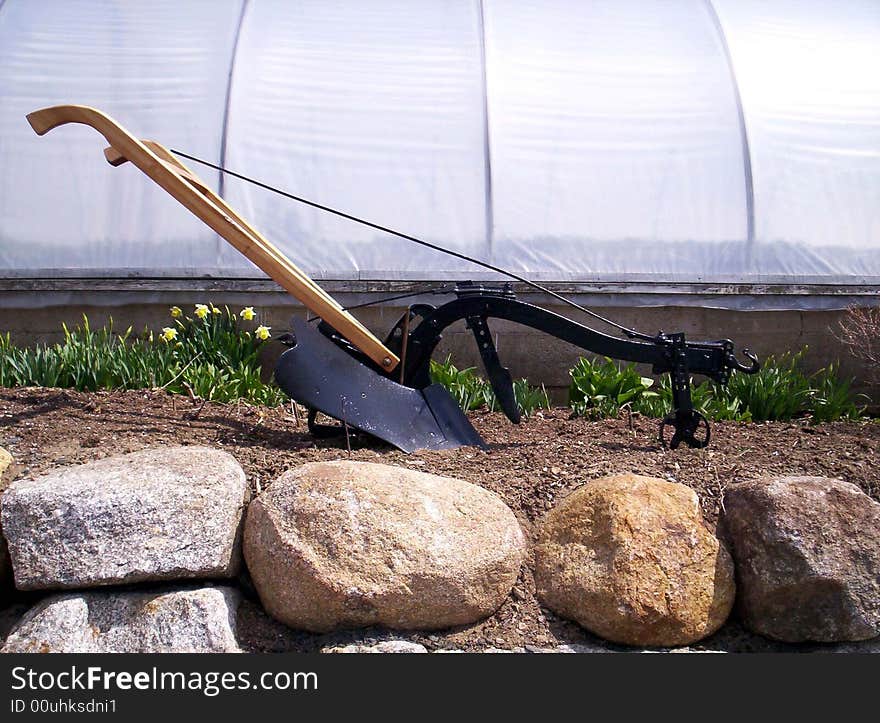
158, 514
386, 646
198, 620
807, 556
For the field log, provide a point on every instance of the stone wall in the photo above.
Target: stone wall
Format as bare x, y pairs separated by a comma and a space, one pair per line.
349, 545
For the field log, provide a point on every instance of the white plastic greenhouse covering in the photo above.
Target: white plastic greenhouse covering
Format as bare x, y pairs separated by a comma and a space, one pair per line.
567, 140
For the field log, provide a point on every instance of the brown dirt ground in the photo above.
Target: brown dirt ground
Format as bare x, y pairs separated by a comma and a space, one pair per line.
530, 466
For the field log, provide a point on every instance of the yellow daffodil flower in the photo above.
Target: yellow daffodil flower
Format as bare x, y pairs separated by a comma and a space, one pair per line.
201, 311
215, 310
247, 313
176, 313
169, 333
262, 332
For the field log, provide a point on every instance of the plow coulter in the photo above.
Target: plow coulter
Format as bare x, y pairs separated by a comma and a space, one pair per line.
336, 366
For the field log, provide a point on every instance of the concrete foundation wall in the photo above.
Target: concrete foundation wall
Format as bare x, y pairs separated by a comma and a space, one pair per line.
529, 354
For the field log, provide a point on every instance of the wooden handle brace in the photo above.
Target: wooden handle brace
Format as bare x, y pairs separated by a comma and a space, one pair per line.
167, 171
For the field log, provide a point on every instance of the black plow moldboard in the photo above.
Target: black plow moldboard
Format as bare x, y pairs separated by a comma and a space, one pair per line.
319, 374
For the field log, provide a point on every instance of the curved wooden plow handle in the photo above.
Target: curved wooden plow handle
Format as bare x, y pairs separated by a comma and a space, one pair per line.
167, 171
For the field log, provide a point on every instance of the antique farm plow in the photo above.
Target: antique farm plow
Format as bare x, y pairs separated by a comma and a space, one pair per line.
340, 368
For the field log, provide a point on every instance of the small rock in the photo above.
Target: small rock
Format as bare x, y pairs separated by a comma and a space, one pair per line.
354, 544
159, 514
5, 460
581, 648
807, 554
567, 649
386, 646
629, 558
172, 621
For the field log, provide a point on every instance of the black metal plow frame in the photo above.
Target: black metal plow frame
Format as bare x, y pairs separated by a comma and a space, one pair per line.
327, 374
